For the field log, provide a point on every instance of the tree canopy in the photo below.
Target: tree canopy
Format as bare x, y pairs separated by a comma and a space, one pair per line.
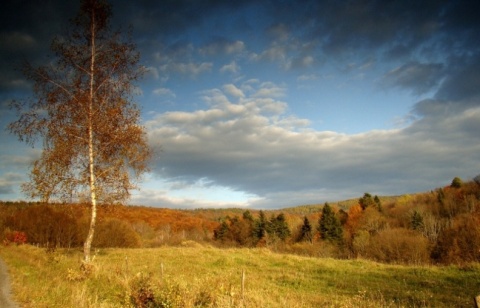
83, 112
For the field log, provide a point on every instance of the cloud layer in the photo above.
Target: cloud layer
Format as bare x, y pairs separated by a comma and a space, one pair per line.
247, 141
245, 101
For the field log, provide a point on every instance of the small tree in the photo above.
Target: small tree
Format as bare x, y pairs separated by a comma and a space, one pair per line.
416, 221
366, 201
477, 179
260, 226
456, 182
281, 227
93, 146
329, 226
306, 231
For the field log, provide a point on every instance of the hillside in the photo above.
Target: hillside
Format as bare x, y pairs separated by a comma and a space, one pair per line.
440, 226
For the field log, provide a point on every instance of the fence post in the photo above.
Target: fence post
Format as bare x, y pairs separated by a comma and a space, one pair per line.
161, 271
243, 285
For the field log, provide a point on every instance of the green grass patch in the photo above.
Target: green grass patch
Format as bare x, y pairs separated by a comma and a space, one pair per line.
209, 277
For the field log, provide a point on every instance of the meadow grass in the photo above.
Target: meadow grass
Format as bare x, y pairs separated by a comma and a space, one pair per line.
204, 276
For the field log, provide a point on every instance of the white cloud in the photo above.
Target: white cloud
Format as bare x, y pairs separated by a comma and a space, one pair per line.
153, 71
164, 92
255, 148
232, 90
269, 89
232, 67
190, 69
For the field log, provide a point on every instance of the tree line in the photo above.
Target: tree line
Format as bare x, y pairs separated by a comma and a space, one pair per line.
440, 226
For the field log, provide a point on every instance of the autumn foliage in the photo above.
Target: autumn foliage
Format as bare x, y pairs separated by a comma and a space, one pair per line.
441, 226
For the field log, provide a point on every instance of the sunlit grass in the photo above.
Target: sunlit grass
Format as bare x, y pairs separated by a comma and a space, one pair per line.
195, 275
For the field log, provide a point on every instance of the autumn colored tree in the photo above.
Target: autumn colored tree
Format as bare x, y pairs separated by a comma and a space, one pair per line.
94, 149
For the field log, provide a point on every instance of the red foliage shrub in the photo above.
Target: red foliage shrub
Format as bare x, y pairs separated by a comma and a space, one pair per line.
15, 237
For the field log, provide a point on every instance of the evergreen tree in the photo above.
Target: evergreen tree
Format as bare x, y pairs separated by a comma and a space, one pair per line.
366, 201
329, 226
377, 201
417, 221
306, 231
260, 226
281, 227
456, 182
222, 232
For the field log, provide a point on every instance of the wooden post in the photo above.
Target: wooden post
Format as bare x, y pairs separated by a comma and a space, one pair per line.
161, 271
126, 267
243, 285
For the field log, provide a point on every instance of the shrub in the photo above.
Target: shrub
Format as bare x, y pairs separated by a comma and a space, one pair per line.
15, 237
141, 291
397, 245
116, 233
404, 246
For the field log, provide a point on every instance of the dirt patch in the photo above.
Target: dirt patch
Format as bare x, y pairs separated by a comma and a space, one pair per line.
5, 300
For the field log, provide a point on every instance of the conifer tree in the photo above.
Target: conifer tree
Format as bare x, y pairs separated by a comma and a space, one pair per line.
260, 226
306, 231
329, 226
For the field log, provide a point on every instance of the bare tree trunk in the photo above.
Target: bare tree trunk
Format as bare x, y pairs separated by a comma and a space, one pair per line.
93, 198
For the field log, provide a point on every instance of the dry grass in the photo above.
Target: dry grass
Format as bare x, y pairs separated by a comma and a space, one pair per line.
198, 276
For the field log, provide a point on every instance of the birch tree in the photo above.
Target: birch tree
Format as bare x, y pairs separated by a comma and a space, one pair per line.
83, 115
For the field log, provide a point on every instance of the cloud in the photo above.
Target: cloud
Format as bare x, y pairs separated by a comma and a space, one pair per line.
16, 41
244, 147
417, 77
222, 46
164, 92
270, 89
232, 90
8, 183
307, 77
232, 67
463, 81
188, 69
272, 54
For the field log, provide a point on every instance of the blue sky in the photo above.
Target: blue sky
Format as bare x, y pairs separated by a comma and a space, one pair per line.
268, 104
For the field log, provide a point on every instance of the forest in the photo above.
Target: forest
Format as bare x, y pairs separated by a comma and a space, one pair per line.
437, 227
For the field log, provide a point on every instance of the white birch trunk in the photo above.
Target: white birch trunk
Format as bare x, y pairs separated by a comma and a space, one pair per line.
93, 198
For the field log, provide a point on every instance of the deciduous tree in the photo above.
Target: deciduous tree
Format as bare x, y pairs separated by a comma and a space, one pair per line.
93, 146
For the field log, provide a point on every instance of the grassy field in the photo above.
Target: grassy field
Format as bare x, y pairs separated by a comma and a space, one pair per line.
200, 276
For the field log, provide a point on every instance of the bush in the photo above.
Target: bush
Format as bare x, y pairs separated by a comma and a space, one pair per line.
397, 245
15, 237
115, 233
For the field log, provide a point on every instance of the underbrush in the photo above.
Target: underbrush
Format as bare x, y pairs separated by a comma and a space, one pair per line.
199, 276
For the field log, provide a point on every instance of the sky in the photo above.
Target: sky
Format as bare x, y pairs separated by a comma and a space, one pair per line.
272, 104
